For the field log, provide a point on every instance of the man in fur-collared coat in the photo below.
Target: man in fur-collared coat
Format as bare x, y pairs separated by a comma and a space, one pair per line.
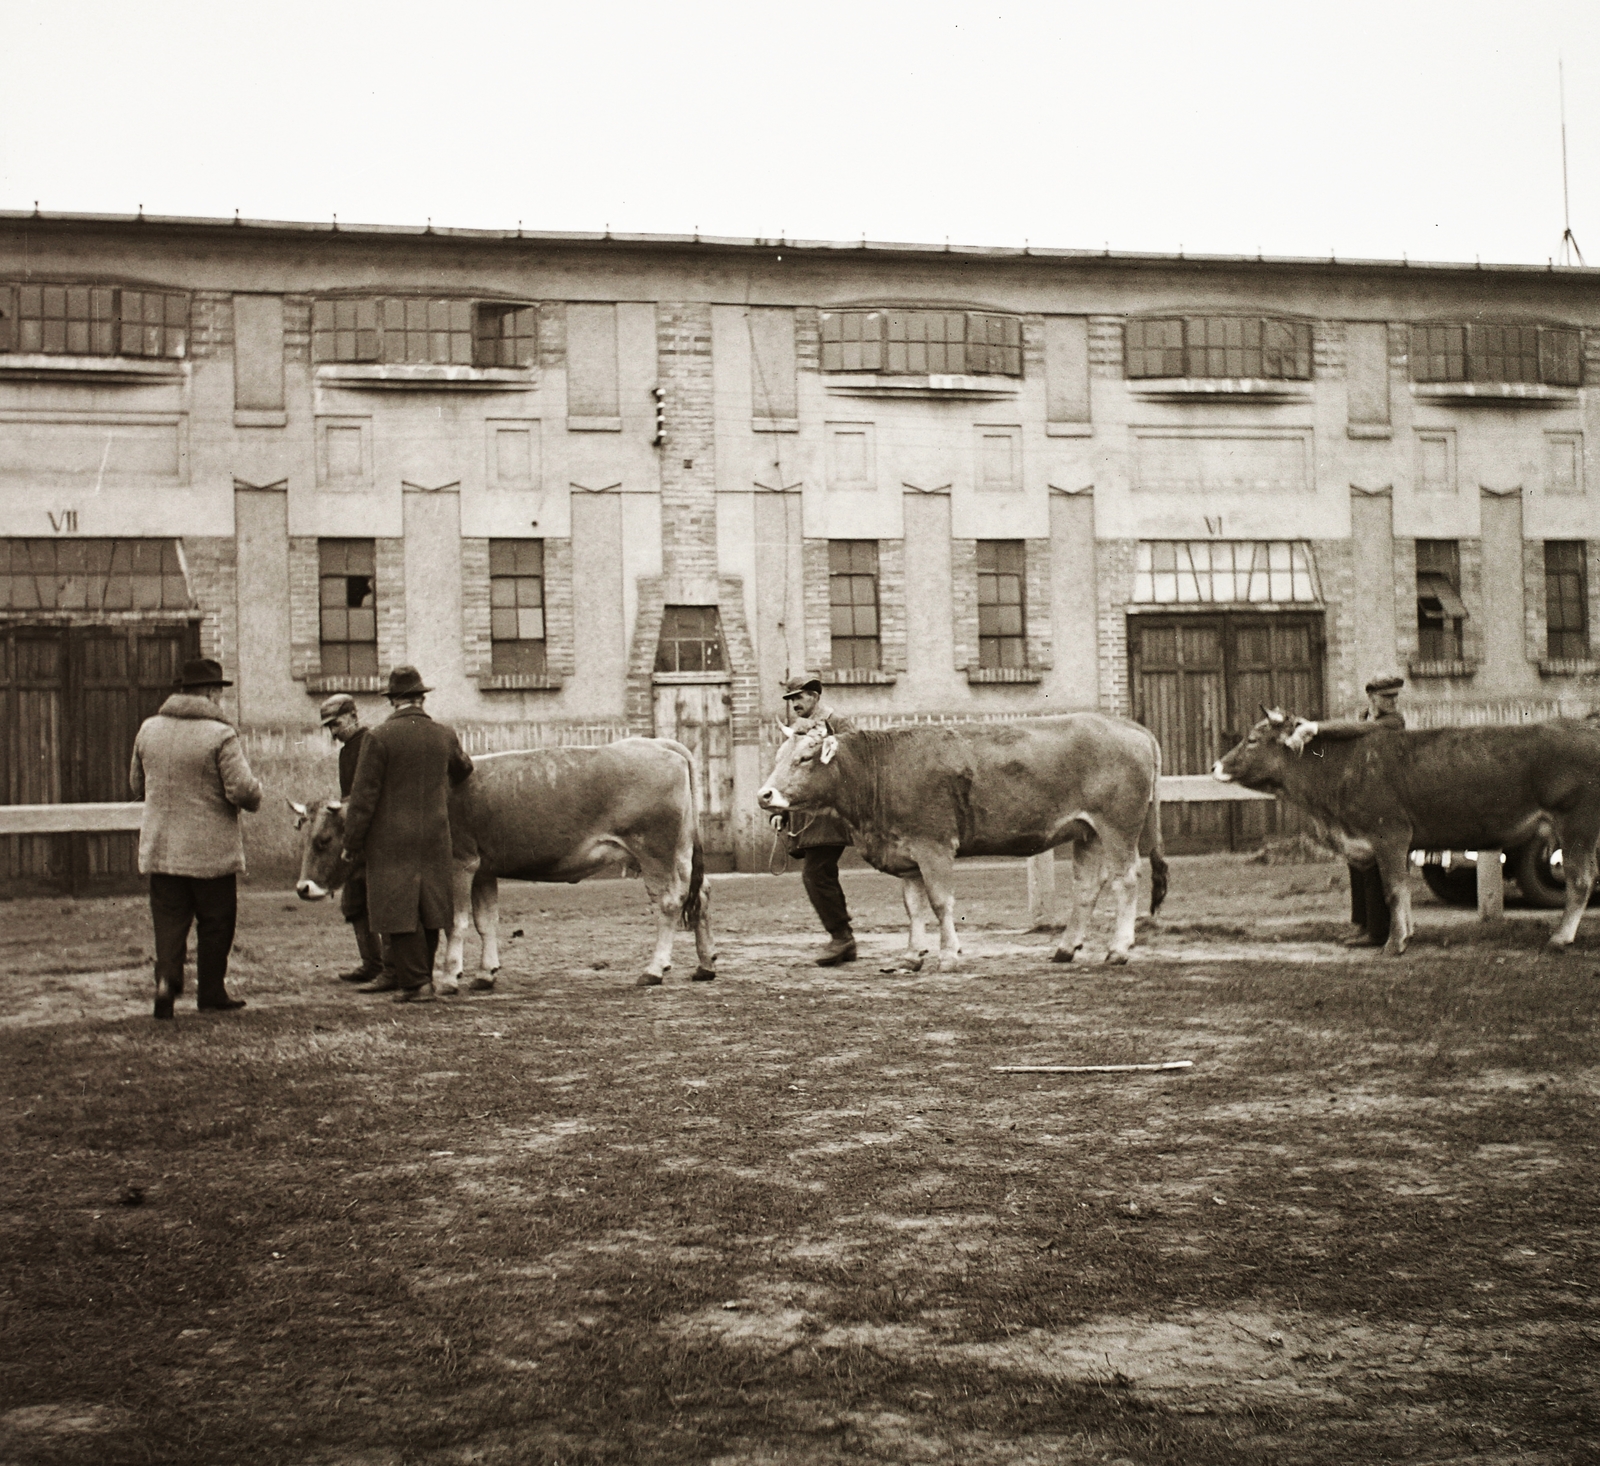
397, 822
194, 779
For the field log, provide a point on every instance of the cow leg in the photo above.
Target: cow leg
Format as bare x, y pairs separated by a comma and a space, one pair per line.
1394, 866
1121, 862
463, 870
938, 868
705, 947
1084, 854
667, 884
915, 896
486, 917
1578, 856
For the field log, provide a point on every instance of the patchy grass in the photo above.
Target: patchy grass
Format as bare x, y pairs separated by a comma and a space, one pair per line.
793, 1216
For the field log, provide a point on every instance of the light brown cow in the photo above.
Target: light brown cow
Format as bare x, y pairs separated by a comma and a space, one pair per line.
917, 798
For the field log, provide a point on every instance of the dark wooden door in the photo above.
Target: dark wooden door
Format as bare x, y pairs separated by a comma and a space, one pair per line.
71, 701
1197, 682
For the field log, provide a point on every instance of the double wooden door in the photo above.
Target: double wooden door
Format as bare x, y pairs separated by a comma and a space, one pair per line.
699, 716
71, 701
1199, 682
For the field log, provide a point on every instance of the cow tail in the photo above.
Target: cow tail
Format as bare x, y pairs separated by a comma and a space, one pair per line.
1150, 839
692, 903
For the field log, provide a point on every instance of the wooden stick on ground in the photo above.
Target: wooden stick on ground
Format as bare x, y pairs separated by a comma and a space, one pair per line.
1091, 1068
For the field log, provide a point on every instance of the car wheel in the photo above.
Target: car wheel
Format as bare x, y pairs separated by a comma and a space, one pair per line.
1542, 884
1457, 886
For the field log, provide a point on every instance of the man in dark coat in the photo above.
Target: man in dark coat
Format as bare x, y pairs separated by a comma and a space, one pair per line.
343, 721
398, 823
818, 840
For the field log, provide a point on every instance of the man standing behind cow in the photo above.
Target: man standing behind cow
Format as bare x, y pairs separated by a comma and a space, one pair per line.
397, 823
192, 775
341, 718
820, 839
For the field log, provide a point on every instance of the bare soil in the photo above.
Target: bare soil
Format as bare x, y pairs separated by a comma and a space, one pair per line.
794, 1216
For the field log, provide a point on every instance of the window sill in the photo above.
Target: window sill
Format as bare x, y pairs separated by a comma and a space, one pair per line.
521, 682
1069, 430
1568, 666
118, 370
856, 677
1494, 394
1203, 389
774, 425
423, 377
936, 386
594, 424
1360, 430
1442, 669
1003, 675
319, 683
260, 418
689, 679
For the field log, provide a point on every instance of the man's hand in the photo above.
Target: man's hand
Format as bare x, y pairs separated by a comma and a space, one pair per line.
1304, 731
777, 821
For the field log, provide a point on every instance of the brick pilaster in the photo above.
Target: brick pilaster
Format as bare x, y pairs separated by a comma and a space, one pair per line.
1114, 570
1036, 604
477, 656
560, 654
1105, 347
297, 328
688, 448
1405, 596
305, 611
210, 324
1336, 575
390, 562
214, 583
892, 605
815, 592
964, 601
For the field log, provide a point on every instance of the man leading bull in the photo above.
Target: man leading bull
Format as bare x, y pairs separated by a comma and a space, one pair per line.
819, 839
398, 823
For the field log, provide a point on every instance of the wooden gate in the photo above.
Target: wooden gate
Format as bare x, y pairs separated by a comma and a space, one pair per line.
699, 716
71, 700
1198, 684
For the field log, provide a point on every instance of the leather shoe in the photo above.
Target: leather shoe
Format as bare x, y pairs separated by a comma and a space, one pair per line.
222, 1005
382, 983
423, 993
163, 998
357, 974
1364, 939
839, 951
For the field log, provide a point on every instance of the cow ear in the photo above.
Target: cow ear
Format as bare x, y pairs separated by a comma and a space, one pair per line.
788, 731
333, 806
830, 746
1275, 716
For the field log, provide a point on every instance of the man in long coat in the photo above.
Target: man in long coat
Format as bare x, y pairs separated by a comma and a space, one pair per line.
342, 719
397, 822
819, 838
194, 779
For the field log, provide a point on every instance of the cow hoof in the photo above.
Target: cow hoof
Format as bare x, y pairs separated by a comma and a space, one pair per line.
481, 985
950, 962
1394, 949
1066, 954
702, 974
446, 987
1117, 959
648, 980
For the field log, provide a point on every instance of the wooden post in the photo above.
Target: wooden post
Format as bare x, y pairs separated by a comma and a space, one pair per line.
1042, 891
1491, 886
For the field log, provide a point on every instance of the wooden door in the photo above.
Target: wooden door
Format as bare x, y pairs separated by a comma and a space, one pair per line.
699, 715
71, 701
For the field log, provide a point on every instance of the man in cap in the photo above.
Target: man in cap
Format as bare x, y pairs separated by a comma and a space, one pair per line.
1369, 906
819, 839
343, 721
194, 779
398, 823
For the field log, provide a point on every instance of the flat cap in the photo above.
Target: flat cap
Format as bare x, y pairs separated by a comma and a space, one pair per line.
336, 707
806, 682
1386, 684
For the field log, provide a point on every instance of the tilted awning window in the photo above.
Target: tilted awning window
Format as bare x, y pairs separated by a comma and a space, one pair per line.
1437, 588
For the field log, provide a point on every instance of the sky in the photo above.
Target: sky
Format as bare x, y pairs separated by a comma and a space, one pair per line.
1361, 130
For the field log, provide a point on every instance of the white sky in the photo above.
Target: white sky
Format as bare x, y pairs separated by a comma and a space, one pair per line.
1365, 129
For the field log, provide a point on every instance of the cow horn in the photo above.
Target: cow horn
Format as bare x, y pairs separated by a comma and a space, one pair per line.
333, 805
301, 813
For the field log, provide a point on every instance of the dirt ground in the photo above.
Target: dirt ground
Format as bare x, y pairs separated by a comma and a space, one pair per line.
796, 1216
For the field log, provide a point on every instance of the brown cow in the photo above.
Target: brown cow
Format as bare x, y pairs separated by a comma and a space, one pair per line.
556, 814
1375, 796
917, 798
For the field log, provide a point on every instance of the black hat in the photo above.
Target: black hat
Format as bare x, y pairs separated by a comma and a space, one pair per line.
806, 682
1386, 684
406, 682
202, 672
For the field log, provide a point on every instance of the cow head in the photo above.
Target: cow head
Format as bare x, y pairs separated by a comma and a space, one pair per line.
322, 864
1261, 760
802, 778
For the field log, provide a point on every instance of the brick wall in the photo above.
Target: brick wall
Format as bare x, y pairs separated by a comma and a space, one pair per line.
1036, 604
892, 606
688, 448
1114, 568
815, 592
808, 339
305, 617
1336, 573
1405, 598
477, 657
391, 566
1327, 349
210, 324
558, 608
553, 334
1105, 347
297, 328
964, 601
214, 583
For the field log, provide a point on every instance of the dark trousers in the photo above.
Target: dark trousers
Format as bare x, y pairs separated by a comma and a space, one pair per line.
1369, 907
820, 877
410, 956
354, 905
211, 906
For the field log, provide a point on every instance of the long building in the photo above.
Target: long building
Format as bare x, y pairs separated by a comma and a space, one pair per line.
599, 485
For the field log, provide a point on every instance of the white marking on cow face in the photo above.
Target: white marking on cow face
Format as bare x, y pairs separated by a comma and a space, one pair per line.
1216, 773
309, 891
797, 759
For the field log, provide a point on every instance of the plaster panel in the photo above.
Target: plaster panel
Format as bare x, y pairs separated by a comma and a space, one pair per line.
600, 630
1074, 681
268, 692
641, 551
40, 509
369, 514
433, 601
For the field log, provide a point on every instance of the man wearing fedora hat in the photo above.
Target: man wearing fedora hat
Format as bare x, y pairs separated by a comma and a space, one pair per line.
818, 840
397, 822
342, 719
192, 775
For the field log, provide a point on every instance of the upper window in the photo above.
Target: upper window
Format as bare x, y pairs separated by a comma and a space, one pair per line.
1552, 355
92, 575
93, 320
1178, 572
853, 604
922, 343
516, 607
1566, 599
397, 329
1218, 346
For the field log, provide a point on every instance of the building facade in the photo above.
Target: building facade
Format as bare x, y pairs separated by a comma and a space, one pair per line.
595, 486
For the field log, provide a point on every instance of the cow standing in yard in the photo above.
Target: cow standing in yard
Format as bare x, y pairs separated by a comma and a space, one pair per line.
917, 798
1376, 795
555, 814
